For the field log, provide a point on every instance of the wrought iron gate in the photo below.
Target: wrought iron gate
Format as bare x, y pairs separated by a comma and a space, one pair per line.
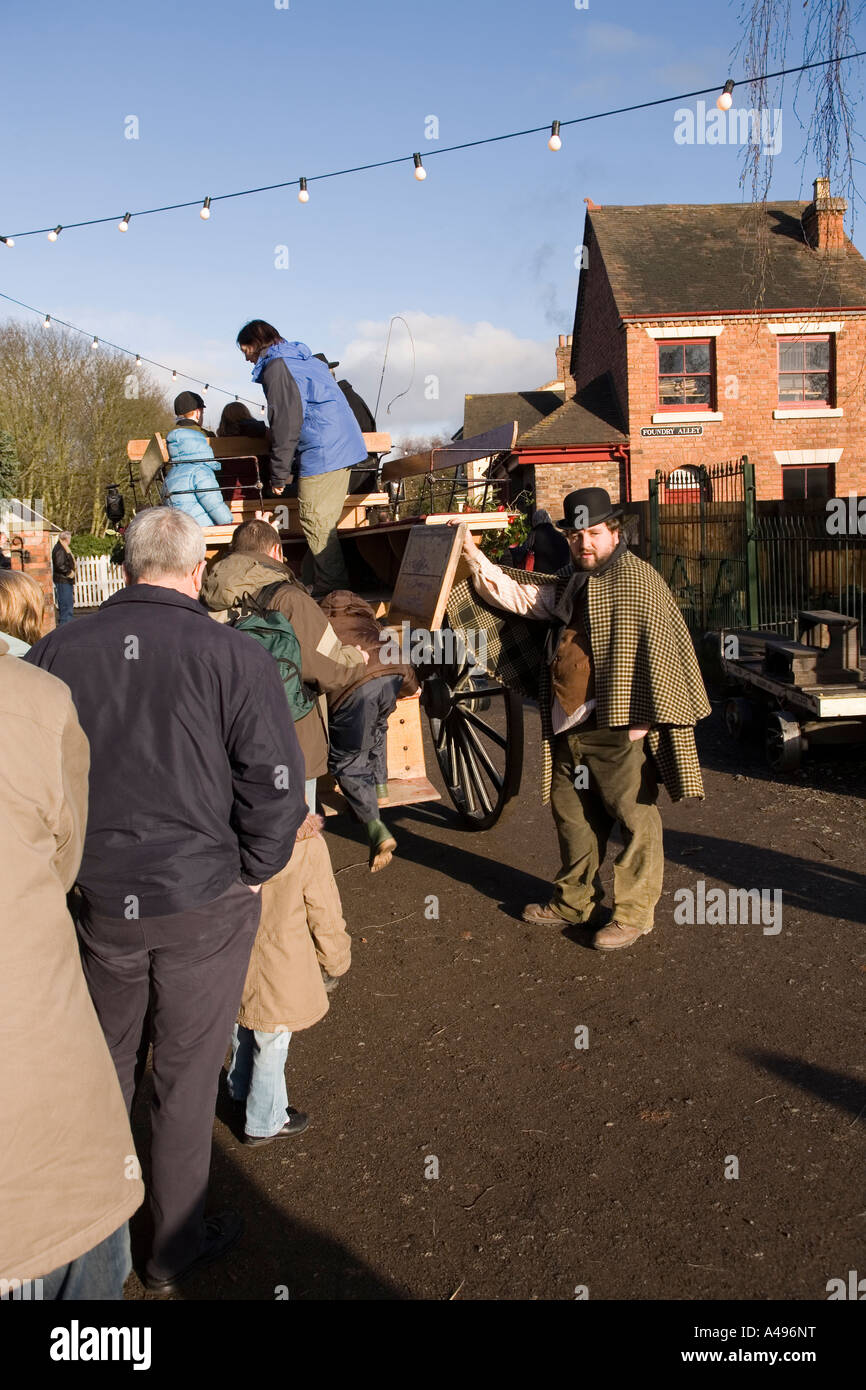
702, 524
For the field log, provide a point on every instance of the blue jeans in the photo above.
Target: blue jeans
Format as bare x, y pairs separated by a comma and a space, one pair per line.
65, 597
100, 1273
257, 1074
358, 730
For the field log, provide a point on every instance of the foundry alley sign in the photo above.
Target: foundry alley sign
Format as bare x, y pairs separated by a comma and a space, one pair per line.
667, 431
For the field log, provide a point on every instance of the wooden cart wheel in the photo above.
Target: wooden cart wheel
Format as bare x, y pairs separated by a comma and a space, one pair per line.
477, 728
784, 743
739, 717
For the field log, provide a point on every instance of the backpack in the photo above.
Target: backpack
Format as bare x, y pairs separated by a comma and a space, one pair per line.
276, 634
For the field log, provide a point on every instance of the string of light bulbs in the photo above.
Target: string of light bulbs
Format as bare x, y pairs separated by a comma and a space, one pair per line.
96, 342
554, 130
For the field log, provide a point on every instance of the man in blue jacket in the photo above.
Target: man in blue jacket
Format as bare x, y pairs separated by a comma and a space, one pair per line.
309, 416
196, 796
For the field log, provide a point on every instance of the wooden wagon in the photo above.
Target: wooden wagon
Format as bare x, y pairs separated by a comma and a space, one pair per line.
802, 693
405, 567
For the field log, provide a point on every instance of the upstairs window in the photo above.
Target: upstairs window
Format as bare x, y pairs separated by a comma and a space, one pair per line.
686, 375
805, 372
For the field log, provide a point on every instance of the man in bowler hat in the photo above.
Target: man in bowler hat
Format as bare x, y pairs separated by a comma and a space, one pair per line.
619, 695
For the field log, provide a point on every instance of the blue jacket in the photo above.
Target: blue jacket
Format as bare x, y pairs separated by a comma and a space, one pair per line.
329, 437
191, 484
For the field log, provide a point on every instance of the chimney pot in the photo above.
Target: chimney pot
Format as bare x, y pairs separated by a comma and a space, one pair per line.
824, 219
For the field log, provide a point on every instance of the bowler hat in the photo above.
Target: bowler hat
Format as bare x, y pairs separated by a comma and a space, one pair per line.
187, 401
585, 507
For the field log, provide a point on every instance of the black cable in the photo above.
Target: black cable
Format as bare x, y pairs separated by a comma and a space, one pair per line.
445, 149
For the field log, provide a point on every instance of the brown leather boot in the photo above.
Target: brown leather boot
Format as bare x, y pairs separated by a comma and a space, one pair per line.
544, 914
616, 935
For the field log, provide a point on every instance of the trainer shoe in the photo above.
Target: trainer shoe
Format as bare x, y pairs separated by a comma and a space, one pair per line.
616, 935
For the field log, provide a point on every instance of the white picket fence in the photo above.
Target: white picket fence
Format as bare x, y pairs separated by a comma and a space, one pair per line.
95, 579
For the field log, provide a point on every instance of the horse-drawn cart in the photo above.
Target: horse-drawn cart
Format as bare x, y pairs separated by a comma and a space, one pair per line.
807, 692
406, 568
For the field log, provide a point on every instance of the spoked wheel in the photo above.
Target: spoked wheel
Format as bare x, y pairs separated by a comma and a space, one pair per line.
784, 744
477, 728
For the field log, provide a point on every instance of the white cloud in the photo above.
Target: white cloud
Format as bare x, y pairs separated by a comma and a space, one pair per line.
617, 39
452, 356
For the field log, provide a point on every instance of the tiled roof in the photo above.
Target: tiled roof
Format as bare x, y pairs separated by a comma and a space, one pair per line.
481, 413
701, 259
590, 418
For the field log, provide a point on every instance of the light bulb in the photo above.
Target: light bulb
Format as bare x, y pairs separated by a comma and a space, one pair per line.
55, 233
95, 343
46, 322
262, 408
174, 376
7, 240
123, 224
205, 387
138, 361
726, 100
420, 171
554, 143
303, 195
205, 209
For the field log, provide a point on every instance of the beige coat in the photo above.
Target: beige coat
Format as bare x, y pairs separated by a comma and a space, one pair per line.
68, 1172
301, 929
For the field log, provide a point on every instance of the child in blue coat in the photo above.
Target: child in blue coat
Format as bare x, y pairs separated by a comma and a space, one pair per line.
191, 484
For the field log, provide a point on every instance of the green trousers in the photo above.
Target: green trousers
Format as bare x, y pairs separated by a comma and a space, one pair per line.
320, 505
600, 778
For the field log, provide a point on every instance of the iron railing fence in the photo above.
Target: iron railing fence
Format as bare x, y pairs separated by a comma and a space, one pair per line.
800, 565
699, 542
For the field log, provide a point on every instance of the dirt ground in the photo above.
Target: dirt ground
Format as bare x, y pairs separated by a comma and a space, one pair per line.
450, 1049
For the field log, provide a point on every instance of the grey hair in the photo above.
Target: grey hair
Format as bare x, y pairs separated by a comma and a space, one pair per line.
162, 542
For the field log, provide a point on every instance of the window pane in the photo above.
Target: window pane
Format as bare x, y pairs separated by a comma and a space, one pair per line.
671, 390
818, 356
791, 357
816, 386
817, 482
697, 390
698, 357
790, 387
670, 359
793, 484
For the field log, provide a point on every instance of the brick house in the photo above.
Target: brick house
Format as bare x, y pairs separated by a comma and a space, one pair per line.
742, 329
702, 332
565, 439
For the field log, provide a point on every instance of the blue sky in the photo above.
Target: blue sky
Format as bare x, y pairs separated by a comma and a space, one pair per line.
236, 93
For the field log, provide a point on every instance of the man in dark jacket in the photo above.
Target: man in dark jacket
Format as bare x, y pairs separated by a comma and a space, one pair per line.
362, 479
63, 574
196, 795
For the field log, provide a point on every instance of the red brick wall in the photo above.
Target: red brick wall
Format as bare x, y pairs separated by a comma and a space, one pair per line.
746, 364
598, 333
552, 481
37, 545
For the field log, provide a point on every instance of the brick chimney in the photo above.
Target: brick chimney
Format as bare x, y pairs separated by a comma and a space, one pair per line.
824, 219
563, 365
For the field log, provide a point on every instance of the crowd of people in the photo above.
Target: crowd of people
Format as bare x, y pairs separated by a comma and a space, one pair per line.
205, 905
191, 911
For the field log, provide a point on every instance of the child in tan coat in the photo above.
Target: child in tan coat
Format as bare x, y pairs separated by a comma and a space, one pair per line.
301, 942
